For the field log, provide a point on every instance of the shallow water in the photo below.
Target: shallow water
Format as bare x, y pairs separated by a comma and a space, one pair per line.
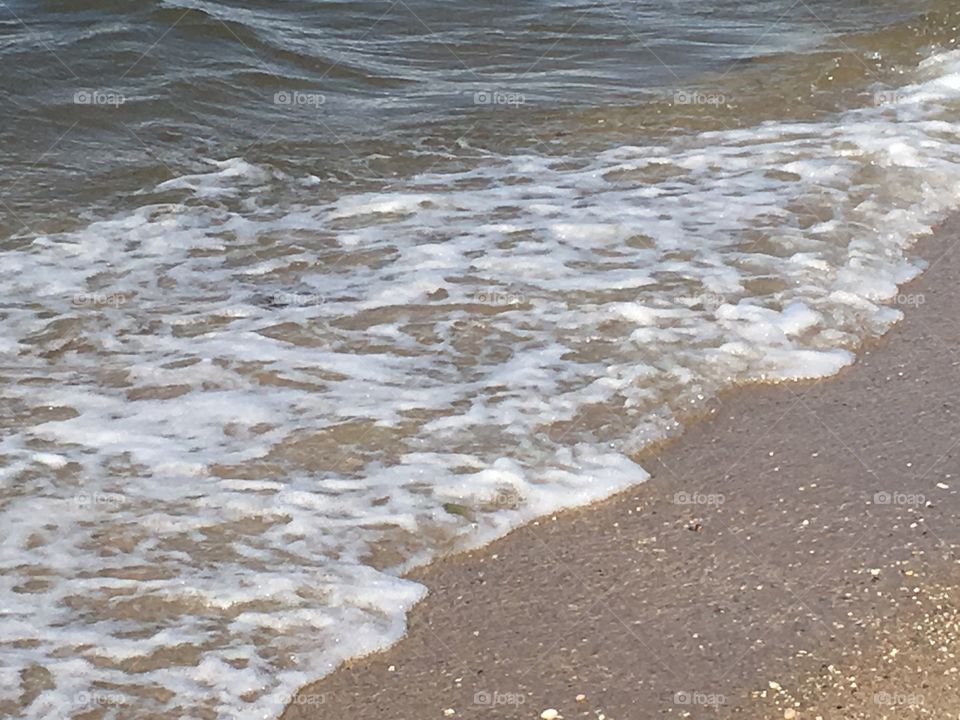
295, 296
106, 98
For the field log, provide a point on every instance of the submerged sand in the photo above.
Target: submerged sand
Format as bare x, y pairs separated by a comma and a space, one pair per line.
793, 556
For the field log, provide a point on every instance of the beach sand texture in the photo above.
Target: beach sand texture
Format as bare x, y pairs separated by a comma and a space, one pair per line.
794, 556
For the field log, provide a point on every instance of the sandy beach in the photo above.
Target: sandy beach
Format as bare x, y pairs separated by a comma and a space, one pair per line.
793, 556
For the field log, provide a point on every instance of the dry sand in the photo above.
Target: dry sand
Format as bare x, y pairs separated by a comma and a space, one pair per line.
823, 582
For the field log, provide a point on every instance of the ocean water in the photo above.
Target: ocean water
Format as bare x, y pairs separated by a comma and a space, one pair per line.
298, 295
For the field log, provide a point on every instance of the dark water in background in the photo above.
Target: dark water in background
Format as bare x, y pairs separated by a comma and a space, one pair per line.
375, 89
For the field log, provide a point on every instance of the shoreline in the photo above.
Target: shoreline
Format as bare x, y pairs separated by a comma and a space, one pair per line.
783, 535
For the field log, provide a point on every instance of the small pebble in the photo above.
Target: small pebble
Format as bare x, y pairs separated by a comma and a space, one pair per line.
789, 714
549, 714
449, 712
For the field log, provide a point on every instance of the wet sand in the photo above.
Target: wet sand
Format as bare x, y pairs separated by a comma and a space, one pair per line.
781, 550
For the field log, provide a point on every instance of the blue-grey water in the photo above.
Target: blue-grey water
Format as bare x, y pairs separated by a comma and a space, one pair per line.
200, 80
